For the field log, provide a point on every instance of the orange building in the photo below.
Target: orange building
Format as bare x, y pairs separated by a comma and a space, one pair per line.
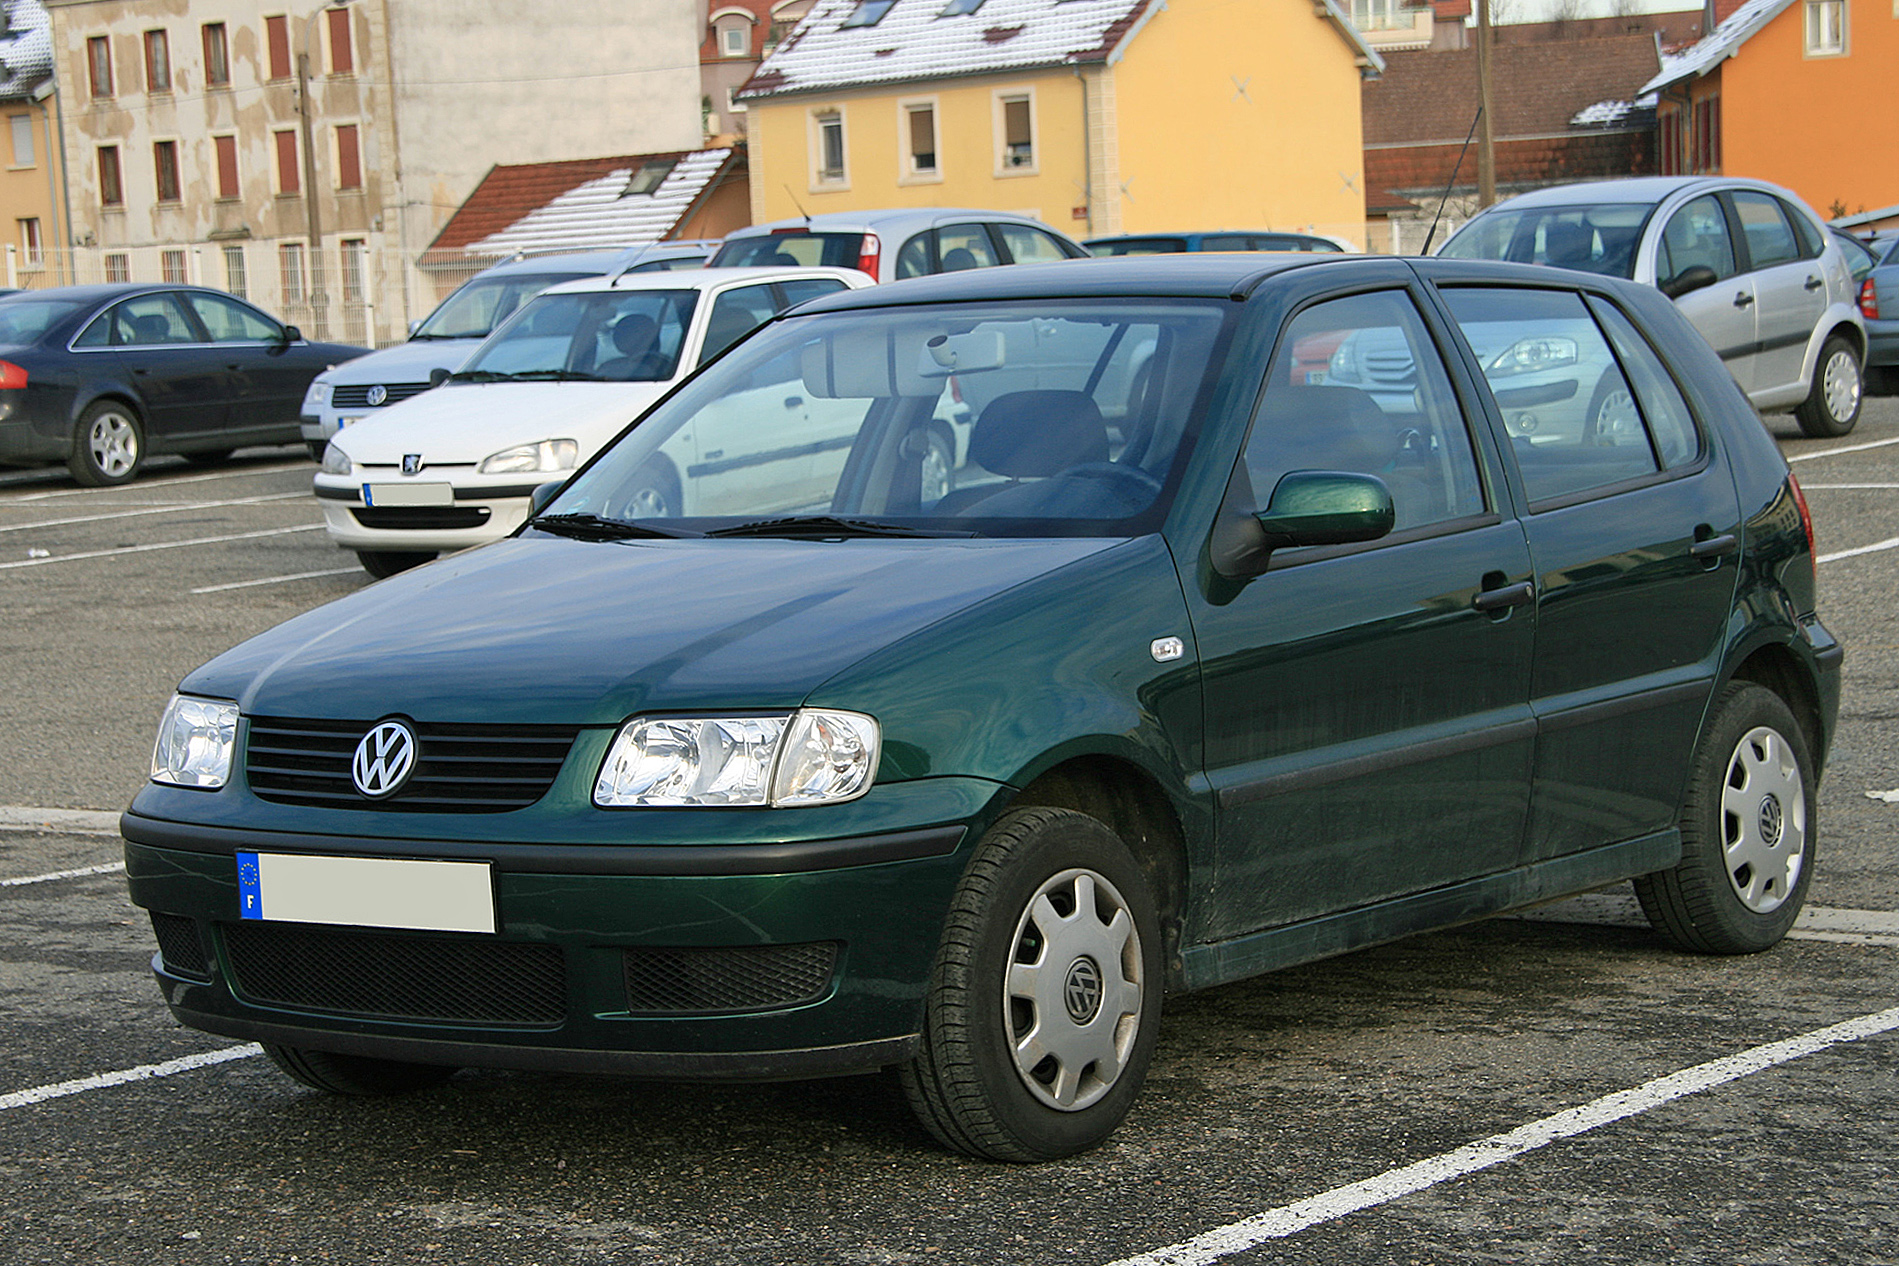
1787, 91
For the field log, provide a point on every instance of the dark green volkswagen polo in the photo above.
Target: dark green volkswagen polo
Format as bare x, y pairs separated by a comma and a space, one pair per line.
954, 668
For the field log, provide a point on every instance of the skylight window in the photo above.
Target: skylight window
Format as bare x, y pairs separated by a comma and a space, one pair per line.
867, 13
650, 176
957, 7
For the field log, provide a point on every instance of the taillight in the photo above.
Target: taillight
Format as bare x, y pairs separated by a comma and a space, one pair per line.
1869, 300
867, 253
12, 377
1806, 524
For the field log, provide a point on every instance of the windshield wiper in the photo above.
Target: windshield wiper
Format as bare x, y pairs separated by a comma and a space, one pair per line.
594, 527
554, 375
825, 526
479, 375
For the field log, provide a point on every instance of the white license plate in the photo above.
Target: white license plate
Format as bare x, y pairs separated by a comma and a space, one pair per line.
370, 892
431, 494
343, 422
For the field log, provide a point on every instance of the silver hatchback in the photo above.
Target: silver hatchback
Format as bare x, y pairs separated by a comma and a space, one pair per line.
1749, 264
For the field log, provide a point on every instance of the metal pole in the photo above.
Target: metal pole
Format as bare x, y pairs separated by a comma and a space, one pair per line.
319, 302
1486, 141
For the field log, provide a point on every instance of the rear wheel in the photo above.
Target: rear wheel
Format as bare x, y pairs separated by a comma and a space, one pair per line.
108, 445
1045, 998
384, 563
1832, 407
1747, 831
355, 1075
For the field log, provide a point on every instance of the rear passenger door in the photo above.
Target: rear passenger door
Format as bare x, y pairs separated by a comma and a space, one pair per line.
1790, 290
1634, 528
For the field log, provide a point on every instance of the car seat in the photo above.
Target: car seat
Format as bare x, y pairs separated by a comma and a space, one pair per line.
957, 259
1342, 428
635, 337
1042, 436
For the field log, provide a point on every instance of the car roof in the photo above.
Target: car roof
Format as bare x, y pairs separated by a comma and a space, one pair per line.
600, 262
890, 219
102, 292
1636, 189
703, 279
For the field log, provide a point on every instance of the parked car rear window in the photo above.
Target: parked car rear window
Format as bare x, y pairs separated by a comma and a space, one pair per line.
24, 320
782, 250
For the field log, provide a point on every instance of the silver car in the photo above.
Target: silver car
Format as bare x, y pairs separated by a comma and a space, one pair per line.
893, 244
1748, 263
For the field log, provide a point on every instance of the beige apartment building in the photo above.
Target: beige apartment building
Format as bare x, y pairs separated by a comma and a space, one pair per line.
304, 158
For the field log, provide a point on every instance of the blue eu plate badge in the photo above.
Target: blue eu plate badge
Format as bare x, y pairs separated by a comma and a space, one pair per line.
250, 889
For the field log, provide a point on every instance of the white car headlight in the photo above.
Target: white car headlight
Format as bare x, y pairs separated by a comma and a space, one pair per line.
335, 460
813, 756
1533, 354
195, 740
318, 395
546, 456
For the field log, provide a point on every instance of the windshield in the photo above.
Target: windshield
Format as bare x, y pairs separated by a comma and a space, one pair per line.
25, 320
1594, 239
605, 335
478, 307
785, 250
1005, 419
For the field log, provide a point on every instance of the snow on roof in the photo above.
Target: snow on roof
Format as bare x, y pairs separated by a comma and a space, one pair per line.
600, 213
1610, 113
26, 51
1717, 45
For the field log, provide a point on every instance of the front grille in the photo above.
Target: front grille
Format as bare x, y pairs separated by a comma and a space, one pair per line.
458, 769
1391, 368
421, 518
356, 396
342, 971
180, 946
740, 978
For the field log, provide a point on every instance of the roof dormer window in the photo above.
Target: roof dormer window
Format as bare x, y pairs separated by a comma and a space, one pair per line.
867, 13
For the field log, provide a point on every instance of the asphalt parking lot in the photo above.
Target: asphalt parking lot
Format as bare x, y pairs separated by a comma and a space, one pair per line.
1525, 1090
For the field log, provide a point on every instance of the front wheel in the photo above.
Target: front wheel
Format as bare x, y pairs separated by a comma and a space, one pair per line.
108, 445
1832, 407
355, 1075
1747, 831
1044, 1002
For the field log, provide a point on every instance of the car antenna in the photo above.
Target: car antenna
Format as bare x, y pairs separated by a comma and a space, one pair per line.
1455, 168
794, 202
626, 265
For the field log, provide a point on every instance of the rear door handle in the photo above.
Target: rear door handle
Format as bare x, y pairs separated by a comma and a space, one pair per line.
1743, 299
1520, 594
1715, 546
1814, 283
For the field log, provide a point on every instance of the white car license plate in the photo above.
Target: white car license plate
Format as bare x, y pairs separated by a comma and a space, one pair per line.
371, 892
343, 422
430, 494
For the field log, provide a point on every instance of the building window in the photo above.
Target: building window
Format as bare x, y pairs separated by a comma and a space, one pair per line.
111, 189
1669, 143
920, 139
1383, 15
99, 66
289, 174
349, 157
226, 149
165, 165
1826, 28
829, 128
118, 269
171, 264
277, 37
1704, 140
217, 55
30, 251
22, 125
1015, 130
290, 267
235, 279
157, 62
342, 51
867, 13
735, 36
650, 176
355, 250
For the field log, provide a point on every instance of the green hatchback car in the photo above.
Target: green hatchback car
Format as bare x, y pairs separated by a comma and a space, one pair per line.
1008, 650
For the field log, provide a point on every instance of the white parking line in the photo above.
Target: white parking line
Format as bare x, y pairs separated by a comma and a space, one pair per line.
1806, 487
277, 580
1287, 1220
1888, 543
107, 868
58, 821
144, 1072
1835, 452
174, 508
146, 549
147, 484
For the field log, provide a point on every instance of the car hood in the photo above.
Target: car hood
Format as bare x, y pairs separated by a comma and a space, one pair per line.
465, 422
540, 630
405, 362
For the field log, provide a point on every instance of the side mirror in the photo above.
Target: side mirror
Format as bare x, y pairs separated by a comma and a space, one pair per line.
414, 326
439, 375
1688, 280
538, 499
1308, 507
292, 335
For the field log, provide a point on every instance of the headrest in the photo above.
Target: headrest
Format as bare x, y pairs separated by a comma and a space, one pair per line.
1329, 428
1033, 434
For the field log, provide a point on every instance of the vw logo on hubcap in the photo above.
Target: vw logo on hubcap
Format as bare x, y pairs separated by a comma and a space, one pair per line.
376, 395
384, 760
1082, 991
1771, 819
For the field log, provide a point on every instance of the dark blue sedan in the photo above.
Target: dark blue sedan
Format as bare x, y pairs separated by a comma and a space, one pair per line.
100, 377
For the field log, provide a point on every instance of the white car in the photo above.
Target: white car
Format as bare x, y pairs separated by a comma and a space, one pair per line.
456, 466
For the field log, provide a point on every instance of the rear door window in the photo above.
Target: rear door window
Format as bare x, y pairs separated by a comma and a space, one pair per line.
1027, 244
1770, 238
963, 246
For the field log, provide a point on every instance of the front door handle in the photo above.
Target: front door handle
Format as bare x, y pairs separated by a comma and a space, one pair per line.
1814, 283
1520, 594
1715, 546
1743, 299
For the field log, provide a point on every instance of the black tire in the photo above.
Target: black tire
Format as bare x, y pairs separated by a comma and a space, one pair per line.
316, 448
209, 457
1020, 905
384, 563
108, 445
1832, 406
1747, 831
355, 1075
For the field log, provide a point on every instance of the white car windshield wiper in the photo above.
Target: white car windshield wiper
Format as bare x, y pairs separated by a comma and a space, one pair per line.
554, 375
829, 527
594, 527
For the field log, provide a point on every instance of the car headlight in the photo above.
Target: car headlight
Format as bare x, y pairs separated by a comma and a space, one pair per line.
318, 395
545, 456
335, 460
813, 756
1533, 355
195, 740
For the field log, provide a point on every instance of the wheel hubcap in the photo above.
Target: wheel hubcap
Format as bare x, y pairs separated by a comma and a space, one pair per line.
114, 445
1764, 821
1841, 386
1071, 998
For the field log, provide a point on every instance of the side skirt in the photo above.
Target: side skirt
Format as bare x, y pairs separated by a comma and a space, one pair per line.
1243, 956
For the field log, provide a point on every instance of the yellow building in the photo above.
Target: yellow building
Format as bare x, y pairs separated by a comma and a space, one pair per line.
1098, 116
32, 220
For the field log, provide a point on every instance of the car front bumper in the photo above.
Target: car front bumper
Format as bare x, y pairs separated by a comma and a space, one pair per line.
464, 517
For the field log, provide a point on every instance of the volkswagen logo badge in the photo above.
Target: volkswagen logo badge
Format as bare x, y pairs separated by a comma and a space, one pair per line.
384, 760
412, 463
1081, 992
376, 396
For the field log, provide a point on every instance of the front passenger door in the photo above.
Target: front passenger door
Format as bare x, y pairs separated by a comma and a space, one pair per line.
183, 383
